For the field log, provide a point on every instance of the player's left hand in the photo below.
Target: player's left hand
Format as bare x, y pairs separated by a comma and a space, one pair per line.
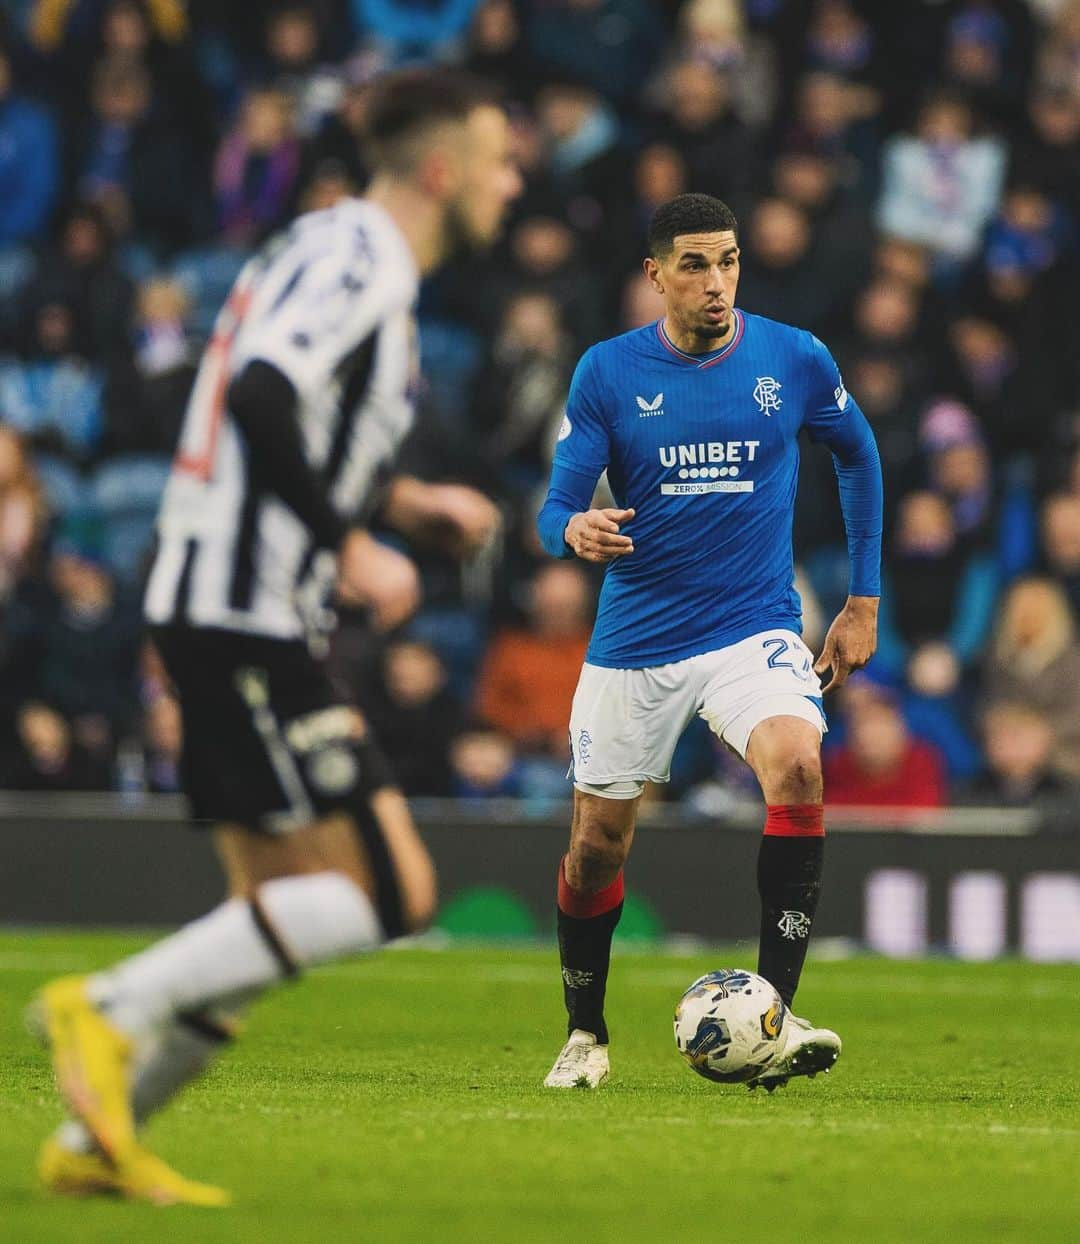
851, 640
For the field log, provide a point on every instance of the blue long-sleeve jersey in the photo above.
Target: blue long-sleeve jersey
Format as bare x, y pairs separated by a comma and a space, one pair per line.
704, 448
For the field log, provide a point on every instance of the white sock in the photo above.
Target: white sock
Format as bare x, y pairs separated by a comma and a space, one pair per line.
311, 918
164, 1063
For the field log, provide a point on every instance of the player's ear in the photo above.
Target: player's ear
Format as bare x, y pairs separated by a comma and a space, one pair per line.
652, 271
439, 174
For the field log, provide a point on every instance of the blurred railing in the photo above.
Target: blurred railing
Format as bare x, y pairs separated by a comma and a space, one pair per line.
975, 882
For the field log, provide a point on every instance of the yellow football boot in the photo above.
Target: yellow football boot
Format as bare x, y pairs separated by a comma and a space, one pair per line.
92, 1062
141, 1176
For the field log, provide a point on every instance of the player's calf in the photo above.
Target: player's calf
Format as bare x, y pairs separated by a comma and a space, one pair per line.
785, 754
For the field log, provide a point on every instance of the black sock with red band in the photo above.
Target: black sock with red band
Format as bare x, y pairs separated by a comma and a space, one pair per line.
586, 925
789, 882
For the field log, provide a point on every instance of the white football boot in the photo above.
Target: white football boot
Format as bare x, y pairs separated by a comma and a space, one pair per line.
581, 1064
807, 1050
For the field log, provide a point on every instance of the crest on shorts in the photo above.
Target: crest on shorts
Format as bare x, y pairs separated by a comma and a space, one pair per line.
767, 394
584, 743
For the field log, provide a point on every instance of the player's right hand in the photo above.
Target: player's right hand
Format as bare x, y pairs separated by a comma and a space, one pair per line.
377, 577
594, 535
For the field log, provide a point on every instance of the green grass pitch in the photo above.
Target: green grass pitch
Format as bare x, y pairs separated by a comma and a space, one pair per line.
399, 1099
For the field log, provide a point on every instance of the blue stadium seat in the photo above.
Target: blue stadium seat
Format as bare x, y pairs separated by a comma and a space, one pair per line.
17, 265
458, 636
450, 356
207, 273
66, 492
126, 493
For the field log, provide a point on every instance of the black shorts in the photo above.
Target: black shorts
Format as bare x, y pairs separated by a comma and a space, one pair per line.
268, 743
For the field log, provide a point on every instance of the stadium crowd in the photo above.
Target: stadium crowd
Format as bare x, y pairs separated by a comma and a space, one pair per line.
907, 179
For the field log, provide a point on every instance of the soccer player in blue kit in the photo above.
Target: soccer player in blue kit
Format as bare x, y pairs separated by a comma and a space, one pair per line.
696, 419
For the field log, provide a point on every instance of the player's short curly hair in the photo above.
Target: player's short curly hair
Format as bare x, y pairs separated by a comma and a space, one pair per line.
407, 103
688, 213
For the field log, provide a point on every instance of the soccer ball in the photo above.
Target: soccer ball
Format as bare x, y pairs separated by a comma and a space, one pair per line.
729, 1025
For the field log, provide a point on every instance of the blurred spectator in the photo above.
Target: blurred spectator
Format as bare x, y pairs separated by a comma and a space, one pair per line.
528, 679
296, 68
132, 163
29, 163
256, 168
1061, 544
783, 275
903, 263
147, 33
519, 396
1019, 743
147, 394
83, 271
886, 318
989, 373
51, 395
23, 512
840, 40
406, 31
660, 173
937, 598
716, 31
881, 765
1029, 233
495, 50
50, 22
545, 258
328, 183
1035, 659
959, 468
886, 397
840, 223
609, 44
485, 764
584, 160
695, 115
942, 184
412, 703
48, 758
988, 45
1058, 66
836, 121
639, 304
91, 643
339, 141
1047, 154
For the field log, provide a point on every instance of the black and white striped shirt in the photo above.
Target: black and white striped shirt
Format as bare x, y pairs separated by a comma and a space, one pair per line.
329, 305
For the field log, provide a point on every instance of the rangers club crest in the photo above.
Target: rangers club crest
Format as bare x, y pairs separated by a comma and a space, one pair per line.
767, 394
794, 925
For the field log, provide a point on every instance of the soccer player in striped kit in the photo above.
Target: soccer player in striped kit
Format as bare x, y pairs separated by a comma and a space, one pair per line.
303, 396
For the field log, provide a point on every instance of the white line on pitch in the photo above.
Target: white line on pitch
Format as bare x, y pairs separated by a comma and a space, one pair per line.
802, 1123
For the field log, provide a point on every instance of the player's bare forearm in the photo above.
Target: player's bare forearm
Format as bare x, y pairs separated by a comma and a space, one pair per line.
457, 518
594, 535
851, 641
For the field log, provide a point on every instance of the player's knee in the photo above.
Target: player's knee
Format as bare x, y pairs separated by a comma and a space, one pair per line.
597, 853
798, 776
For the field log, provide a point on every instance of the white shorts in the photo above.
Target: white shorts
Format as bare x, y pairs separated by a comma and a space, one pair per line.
625, 723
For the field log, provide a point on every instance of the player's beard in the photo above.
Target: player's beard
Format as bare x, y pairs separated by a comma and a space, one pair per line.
461, 240
711, 331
